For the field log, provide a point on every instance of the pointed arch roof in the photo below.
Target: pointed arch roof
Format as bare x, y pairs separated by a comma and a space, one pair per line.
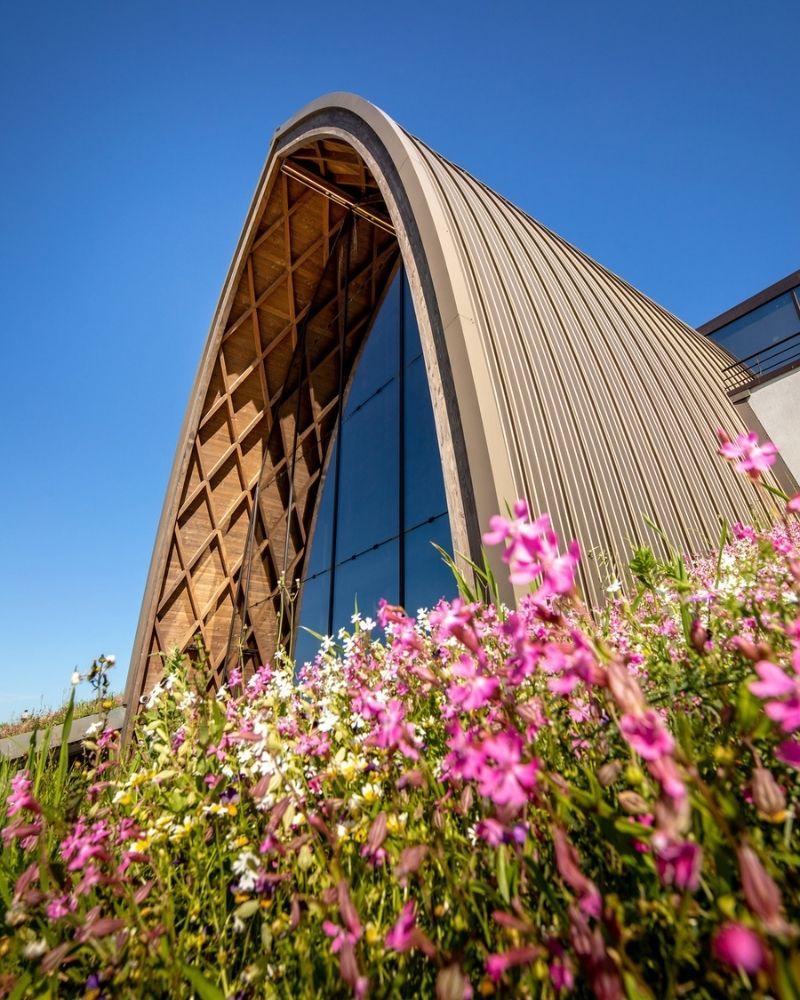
551, 377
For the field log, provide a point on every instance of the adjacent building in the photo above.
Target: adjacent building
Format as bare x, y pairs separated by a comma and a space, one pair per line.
398, 353
762, 334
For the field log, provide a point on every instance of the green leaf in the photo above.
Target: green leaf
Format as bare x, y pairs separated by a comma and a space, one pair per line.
63, 753
502, 873
206, 990
635, 989
20, 987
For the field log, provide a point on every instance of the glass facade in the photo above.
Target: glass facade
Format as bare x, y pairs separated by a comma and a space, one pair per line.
383, 502
763, 328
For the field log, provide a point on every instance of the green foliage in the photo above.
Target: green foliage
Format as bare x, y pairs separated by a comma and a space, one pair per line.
217, 852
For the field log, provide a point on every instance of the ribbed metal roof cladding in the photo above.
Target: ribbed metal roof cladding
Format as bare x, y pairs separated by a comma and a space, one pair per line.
609, 404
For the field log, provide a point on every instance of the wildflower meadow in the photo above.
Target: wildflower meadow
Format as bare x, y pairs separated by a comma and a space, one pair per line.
477, 800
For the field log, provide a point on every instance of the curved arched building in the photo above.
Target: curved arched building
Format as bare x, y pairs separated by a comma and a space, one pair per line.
397, 353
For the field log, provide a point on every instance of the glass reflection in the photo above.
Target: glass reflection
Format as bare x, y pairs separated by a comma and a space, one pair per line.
760, 328
381, 458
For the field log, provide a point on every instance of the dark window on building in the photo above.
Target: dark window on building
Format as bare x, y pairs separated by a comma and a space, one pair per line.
391, 505
762, 328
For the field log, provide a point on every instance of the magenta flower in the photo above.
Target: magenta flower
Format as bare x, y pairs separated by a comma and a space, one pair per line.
793, 506
666, 773
749, 457
456, 619
678, 862
532, 552
507, 780
783, 688
338, 935
568, 864
497, 965
788, 752
494, 833
738, 946
60, 906
476, 689
646, 735
21, 796
561, 976
405, 934
373, 849
466, 758
84, 843
392, 732
400, 936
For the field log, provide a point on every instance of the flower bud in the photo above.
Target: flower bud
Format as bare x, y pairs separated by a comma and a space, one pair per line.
451, 983
768, 795
608, 773
633, 803
760, 891
698, 636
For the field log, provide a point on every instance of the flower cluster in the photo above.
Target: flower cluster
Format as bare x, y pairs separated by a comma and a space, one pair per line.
531, 801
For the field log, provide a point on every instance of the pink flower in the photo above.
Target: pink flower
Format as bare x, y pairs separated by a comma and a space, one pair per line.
788, 752
497, 965
60, 906
26, 833
466, 758
646, 735
494, 833
532, 551
339, 936
20, 796
666, 773
740, 947
399, 937
783, 688
747, 454
405, 934
507, 781
561, 975
84, 843
456, 619
477, 689
678, 862
373, 849
393, 732
793, 506
568, 864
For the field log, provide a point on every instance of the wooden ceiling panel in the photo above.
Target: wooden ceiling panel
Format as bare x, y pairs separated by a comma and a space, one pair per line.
262, 443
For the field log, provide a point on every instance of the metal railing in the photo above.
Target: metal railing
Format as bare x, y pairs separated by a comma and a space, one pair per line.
783, 355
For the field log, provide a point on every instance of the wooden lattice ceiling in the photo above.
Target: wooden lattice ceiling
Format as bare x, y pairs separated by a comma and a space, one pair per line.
269, 377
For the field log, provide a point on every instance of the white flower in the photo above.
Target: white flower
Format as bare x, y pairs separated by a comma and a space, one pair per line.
94, 729
246, 867
111, 659
76, 678
367, 625
35, 949
612, 588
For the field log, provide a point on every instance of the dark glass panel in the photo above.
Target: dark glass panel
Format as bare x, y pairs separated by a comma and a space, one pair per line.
313, 614
364, 580
320, 557
424, 485
368, 504
760, 328
378, 361
428, 577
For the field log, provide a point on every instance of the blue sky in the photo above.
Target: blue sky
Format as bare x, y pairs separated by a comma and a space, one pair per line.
661, 139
